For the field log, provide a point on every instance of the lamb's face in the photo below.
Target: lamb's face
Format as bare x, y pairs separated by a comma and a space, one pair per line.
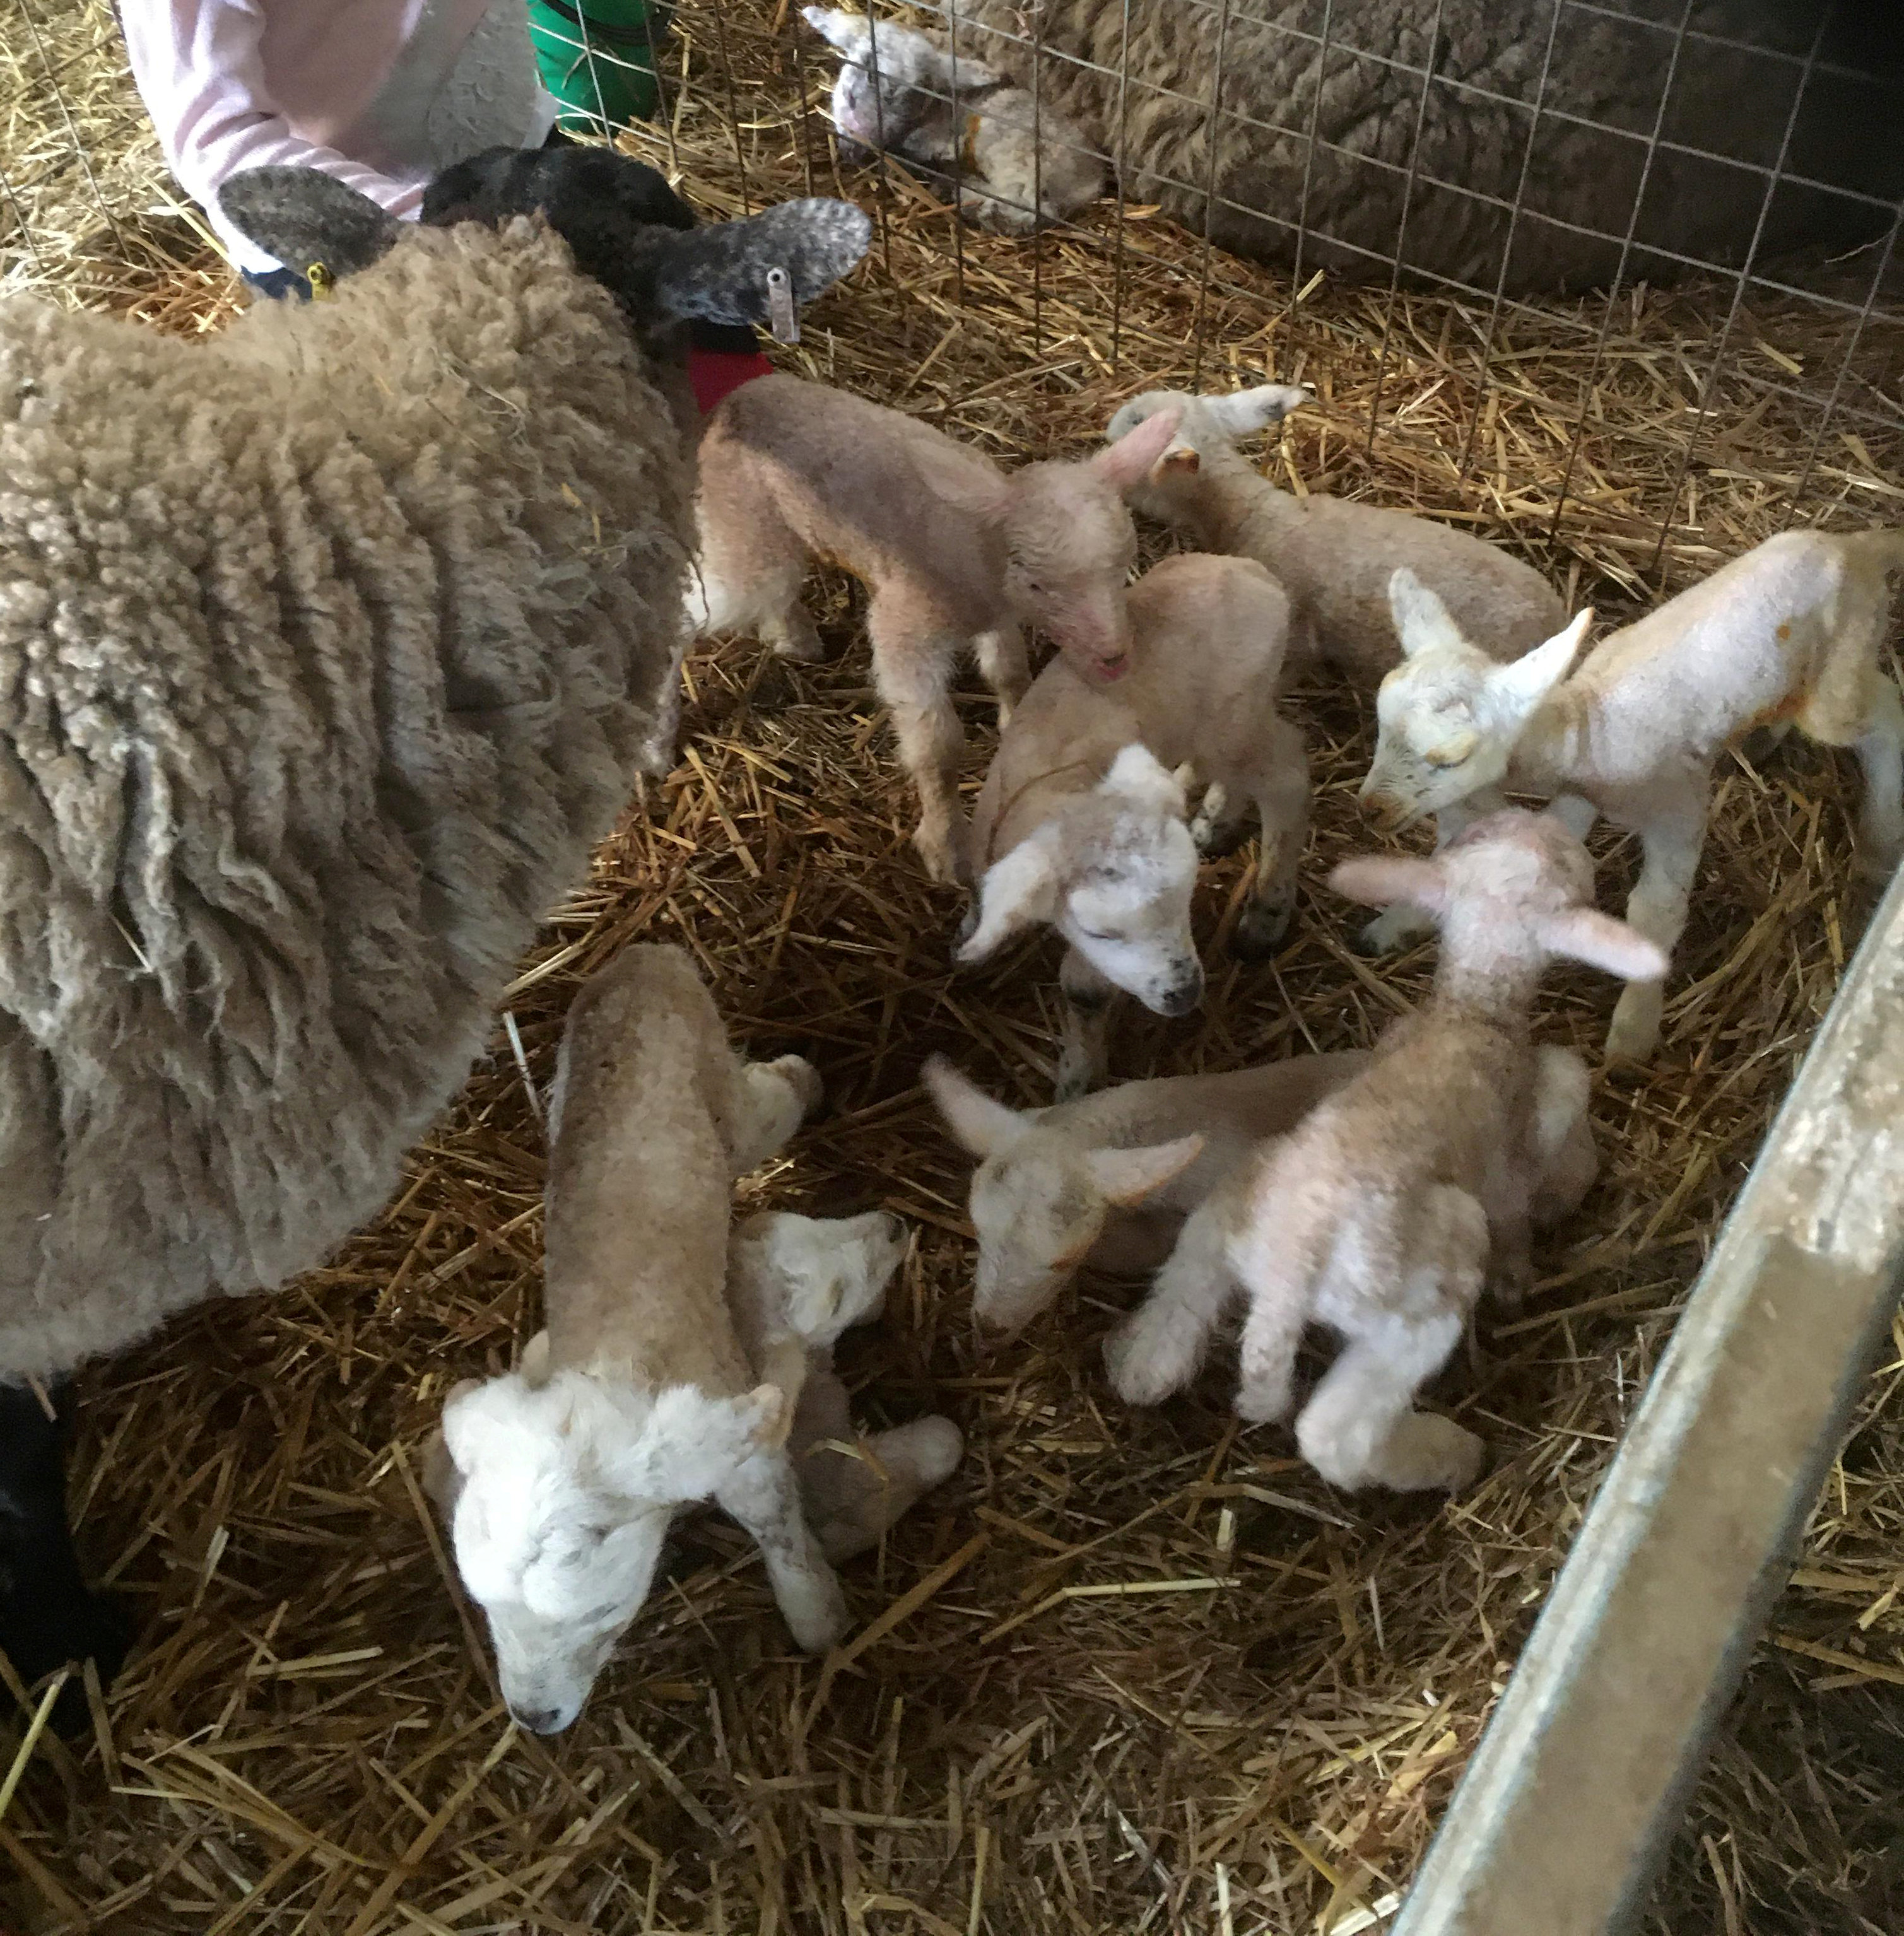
1125, 905
1437, 740
559, 1498
1036, 1216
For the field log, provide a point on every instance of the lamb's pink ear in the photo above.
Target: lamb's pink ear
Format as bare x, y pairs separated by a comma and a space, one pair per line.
983, 1125
1016, 891
1127, 1176
1126, 464
1585, 934
1382, 880
962, 478
1515, 689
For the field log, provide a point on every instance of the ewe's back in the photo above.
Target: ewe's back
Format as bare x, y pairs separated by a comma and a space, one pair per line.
331, 646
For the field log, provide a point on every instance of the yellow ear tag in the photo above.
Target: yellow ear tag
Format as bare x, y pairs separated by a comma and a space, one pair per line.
323, 284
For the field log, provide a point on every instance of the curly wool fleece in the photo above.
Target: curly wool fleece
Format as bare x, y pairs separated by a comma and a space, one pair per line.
328, 650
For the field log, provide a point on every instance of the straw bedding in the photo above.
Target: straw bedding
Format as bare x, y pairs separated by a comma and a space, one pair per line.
1126, 1672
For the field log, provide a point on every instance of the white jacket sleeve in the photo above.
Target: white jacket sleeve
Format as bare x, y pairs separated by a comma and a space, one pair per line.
198, 69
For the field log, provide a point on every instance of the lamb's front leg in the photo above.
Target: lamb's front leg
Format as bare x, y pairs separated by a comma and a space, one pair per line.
1671, 842
1084, 1058
764, 1496
1281, 787
1002, 663
1881, 754
912, 672
1156, 1351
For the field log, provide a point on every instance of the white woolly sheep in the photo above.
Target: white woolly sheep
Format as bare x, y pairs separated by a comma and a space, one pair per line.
1791, 631
1013, 163
339, 640
954, 552
1107, 1180
1379, 1215
1079, 825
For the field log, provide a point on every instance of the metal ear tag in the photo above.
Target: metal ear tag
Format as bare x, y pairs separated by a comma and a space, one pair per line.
323, 284
783, 319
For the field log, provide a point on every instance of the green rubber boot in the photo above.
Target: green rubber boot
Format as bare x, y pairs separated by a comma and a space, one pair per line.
598, 60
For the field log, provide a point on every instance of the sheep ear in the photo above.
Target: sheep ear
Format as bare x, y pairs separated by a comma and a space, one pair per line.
1126, 464
1381, 880
1515, 689
534, 1366
1181, 460
1246, 412
982, 1125
304, 216
1585, 934
1422, 622
1016, 891
1141, 778
719, 274
1127, 1176
962, 477
842, 31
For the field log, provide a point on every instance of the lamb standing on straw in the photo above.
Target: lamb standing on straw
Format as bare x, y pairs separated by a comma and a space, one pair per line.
1381, 1214
560, 1479
340, 640
954, 553
1792, 631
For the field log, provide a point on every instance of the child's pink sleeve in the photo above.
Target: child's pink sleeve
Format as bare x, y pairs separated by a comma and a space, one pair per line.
199, 70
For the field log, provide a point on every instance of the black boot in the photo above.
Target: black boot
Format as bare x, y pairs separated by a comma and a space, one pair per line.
47, 1617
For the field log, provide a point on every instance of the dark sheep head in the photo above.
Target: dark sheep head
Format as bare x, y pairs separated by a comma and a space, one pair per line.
626, 228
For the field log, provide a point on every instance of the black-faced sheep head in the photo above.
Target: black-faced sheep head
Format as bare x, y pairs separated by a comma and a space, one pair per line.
626, 227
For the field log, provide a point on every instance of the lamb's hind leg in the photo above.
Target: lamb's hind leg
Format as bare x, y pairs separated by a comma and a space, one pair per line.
764, 1498
774, 1099
1671, 842
912, 667
1880, 753
1361, 1427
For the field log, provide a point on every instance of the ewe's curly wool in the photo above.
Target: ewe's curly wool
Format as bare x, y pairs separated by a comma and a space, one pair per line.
329, 649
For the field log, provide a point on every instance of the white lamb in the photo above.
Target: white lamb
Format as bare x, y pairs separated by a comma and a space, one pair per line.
1381, 1214
1078, 823
559, 1479
1791, 631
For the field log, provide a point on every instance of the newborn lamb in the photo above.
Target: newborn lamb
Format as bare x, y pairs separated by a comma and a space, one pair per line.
1380, 1213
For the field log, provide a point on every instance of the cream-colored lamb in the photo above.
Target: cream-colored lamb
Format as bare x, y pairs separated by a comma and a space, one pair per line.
1079, 825
1380, 1215
1108, 1180
1333, 557
1792, 631
561, 1478
954, 552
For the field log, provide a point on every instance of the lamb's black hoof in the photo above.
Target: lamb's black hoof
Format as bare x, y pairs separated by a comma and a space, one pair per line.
1259, 932
968, 926
1221, 841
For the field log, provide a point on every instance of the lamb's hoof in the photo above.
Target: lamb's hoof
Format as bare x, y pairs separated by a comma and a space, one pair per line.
934, 1446
1263, 1404
821, 1623
968, 926
803, 1079
1390, 932
1632, 1039
944, 856
1259, 930
1139, 1375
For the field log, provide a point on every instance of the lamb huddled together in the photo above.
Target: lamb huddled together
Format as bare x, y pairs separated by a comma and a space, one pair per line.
339, 641
681, 1360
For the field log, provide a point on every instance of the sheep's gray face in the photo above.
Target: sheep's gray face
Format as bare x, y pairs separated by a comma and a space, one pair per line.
559, 1498
1127, 909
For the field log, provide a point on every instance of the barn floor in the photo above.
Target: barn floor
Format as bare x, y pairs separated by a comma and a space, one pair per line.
1126, 1672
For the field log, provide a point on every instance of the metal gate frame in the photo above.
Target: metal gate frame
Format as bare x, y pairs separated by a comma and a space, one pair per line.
1561, 1820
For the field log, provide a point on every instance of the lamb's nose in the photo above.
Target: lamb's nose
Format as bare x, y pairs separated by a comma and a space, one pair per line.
1181, 999
540, 1720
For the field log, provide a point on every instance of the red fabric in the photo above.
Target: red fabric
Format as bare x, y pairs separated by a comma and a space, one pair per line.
713, 373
